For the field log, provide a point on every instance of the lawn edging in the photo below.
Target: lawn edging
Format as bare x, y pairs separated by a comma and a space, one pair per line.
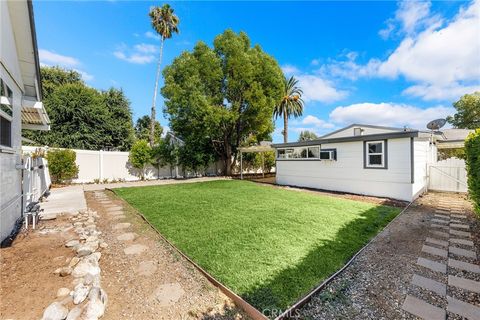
251, 311
290, 311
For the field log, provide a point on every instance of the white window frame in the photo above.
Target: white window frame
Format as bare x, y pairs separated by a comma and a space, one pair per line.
8, 101
368, 154
289, 155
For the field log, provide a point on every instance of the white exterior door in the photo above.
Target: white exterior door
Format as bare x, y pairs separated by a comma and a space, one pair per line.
448, 175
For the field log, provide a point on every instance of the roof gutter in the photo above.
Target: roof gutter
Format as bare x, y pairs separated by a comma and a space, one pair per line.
35, 50
368, 137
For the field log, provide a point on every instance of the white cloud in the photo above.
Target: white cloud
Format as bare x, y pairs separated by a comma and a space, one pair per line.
315, 88
388, 114
316, 122
450, 92
85, 75
140, 53
51, 58
151, 35
289, 69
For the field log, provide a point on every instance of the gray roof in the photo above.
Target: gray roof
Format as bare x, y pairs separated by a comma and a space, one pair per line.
455, 134
364, 125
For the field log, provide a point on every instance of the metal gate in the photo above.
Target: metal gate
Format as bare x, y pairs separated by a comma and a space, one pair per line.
448, 175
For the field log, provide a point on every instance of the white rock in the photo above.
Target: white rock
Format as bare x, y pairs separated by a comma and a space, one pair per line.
103, 245
65, 271
74, 262
75, 313
96, 305
83, 268
63, 292
55, 311
80, 293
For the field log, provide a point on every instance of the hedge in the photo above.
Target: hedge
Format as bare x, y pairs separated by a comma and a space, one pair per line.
472, 153
61, 164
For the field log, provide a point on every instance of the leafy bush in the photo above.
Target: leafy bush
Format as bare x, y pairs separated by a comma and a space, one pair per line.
140, 156
61, 164
472, 152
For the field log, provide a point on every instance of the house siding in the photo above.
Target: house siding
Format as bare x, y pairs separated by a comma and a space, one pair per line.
347, 174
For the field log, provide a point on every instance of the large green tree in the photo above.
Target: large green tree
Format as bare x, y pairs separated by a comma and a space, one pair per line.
83, 117
217, 97
165, 23
291, 104
468, 112
142, 129
307, 136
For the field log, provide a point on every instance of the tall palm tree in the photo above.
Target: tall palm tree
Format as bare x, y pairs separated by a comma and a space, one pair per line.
290, 105
165, 23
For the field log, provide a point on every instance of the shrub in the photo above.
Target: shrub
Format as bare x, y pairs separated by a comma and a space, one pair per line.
61, 164
472, 153
140, 156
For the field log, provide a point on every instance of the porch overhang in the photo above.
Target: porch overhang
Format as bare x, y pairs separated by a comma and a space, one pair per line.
34, 115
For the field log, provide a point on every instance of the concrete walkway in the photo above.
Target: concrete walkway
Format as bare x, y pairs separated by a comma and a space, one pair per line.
99, 187
449, 267
63, 200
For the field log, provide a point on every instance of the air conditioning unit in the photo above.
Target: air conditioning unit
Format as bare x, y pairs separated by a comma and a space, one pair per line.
328, 155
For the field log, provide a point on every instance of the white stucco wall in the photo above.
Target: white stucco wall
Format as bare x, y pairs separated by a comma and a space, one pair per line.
424, 154
347, 174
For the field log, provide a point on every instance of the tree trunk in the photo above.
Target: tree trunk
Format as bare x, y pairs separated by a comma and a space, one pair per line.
285, 127
228, 158
153, 115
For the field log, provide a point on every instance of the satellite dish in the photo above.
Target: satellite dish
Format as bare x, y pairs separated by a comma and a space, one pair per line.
436, 124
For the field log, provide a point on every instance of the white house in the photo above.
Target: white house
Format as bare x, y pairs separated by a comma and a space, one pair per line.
20, 103
360, 159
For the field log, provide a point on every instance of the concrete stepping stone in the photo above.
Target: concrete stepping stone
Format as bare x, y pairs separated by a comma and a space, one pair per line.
439, 221
168, 294
456, 221
470, 267
460, 226
146, 268
441, 216
113, 213
423, 309
129, 236
432, 265
116, 208
459, 216
439, 226
440, 233
117, 217
463, 252
463, 309
462, 241
429, 284
122, 225
435, 251
464, 283
135, 249
442, 211
460, 233
442, 243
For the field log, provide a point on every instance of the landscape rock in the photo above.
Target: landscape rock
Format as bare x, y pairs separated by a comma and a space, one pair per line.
96, 305
80, 293
63, 292
75, 313
55, 311
85, 267
65, 271
74, 262
103, 245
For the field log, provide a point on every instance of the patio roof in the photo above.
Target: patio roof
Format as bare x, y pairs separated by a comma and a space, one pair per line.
265, 148
34, 116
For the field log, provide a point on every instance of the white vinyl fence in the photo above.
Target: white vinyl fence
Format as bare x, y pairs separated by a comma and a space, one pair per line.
36, 179
114, 165
448, 175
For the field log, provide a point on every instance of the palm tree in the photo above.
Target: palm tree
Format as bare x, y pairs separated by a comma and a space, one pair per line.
290, 105
165, 22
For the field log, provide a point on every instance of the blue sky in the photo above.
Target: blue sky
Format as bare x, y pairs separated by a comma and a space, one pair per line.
385, 63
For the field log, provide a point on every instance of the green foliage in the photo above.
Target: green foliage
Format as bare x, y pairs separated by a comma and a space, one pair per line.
472, 153
83, 117
142, 129
451, 153
468, 112
217, 97
164, 21
61, 165
307, 136
291, 104
271, 246
140, 156
166, 152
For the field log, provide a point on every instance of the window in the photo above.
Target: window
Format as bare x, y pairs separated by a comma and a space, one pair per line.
328, 154
6, 114
375, 154
299, 153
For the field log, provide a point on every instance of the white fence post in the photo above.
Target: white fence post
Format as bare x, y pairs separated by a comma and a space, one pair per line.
100, 170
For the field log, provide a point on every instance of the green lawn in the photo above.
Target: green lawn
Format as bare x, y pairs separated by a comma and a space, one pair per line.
269, 245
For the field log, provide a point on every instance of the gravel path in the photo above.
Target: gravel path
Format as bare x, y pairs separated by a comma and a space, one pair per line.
425, 265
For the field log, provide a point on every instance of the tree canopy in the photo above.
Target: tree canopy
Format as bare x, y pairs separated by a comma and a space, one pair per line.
142, 129
307, 136
468, 112
217, 97
291, 104
83, 117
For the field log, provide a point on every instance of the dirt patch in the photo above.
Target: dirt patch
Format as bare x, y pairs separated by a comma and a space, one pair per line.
154, 282
28, 283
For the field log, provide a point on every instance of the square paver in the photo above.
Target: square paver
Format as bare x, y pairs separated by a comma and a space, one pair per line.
463, 283
463, 309
462, 241
459, 216
432, 265
423, 309
462, 252
435, 251
460, 226
460, 233
470, 267
442, 243
430, 284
